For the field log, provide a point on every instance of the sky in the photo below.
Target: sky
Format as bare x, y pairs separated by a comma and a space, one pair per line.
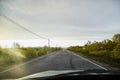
64, 22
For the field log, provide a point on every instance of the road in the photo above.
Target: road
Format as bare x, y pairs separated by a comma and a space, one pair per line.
60, 60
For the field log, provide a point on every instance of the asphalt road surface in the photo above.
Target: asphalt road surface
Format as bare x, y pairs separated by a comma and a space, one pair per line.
60, 60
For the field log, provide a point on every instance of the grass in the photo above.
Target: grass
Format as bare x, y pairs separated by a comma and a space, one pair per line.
113, 62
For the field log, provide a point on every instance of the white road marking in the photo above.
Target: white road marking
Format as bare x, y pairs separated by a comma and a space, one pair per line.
88, 60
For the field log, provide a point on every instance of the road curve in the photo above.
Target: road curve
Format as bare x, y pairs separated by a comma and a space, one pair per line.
60, 60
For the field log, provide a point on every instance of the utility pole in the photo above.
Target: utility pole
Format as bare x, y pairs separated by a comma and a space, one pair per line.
48, 51
49, 43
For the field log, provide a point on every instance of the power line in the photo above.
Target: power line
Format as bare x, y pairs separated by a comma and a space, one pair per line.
19, 25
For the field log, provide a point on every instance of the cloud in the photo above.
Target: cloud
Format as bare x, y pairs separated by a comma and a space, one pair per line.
78, 12
67, 19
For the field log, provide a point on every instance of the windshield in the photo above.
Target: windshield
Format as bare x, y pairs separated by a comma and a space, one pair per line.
58, 35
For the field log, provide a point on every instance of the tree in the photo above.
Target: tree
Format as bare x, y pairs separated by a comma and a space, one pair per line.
89, 43
117, 47
110, 45
116, 38
16, 45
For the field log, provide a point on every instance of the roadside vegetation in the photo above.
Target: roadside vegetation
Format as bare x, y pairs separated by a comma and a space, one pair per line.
10, 57
106, 51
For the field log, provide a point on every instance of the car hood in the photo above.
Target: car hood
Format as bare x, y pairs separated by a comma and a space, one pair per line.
48, 73
71, 72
